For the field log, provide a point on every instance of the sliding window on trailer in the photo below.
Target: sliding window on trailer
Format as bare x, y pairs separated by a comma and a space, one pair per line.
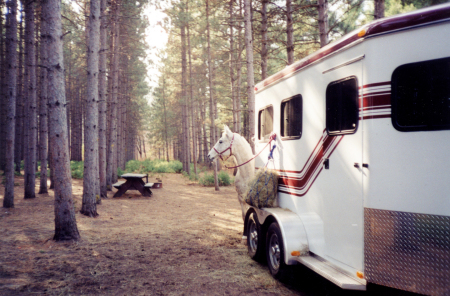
342, 106
291, 118
421, 96
265, 123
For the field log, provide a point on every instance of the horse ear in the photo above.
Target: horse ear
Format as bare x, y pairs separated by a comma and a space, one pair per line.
227, 131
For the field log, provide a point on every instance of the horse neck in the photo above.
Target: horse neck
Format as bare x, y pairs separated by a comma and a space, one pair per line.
243, 153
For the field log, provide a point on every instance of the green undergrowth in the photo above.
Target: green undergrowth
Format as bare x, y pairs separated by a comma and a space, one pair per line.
153, 166
223, 176
77, 169
134, 166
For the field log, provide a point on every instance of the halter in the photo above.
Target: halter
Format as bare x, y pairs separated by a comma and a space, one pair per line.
272, 137
231, 151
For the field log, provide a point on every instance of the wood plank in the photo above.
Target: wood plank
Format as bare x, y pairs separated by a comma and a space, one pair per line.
118, 184
130, 175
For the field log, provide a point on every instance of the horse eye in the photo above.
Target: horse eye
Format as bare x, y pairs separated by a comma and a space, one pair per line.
220, 142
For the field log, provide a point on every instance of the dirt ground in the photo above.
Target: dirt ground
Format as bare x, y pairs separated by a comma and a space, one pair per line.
184, 240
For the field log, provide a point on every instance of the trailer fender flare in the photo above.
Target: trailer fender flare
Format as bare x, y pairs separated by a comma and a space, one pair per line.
292, 230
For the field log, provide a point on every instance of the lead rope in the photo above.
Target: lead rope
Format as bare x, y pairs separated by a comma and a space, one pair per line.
272, 137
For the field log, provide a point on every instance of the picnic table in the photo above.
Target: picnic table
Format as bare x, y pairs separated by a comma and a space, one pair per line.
133, 181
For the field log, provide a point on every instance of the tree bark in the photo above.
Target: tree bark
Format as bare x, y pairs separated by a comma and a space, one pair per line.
212, 128
323, 22
102, 100
250, 73
19, 103
264, 50
237, 127
193, 114
232, 65
184, 98
65, 223
11, 60
111, 165
165, 117
30, 106
289, 33
91, 173
3, 91
379, 9
43, 122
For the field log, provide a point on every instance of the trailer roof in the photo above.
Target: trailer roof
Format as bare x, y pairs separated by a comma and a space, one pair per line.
395, 23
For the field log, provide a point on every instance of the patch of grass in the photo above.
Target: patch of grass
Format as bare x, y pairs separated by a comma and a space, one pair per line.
224, 179
77, 168
153, 166
207, 180
223, 176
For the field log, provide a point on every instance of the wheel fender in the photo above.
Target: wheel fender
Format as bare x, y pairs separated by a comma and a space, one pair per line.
292, 230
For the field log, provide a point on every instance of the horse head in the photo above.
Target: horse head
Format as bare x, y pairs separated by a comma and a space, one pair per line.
223, 147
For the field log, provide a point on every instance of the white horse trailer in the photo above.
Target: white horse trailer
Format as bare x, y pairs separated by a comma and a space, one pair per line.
363, 132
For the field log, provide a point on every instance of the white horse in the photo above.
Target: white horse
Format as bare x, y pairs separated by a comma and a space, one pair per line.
232, 144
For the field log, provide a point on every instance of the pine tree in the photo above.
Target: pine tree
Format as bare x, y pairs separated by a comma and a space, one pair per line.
65, 223
11, 60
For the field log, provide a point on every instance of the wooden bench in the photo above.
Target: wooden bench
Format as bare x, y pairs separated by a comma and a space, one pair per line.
118, 184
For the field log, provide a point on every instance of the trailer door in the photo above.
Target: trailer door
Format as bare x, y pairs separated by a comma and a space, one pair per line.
343, 200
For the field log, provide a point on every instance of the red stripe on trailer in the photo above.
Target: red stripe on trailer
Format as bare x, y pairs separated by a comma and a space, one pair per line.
382, 26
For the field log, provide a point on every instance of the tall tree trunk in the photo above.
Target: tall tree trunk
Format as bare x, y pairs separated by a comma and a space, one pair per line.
3, 91
184, 98
289, 33
212, 128
65, 223
11, 60
323, 22
250, 73
191, 92
237, 127
91, 174
19, 103
43, 122
165, 118
30, 106
102, 100
232, 65
205, 136
264, 49
111, 165
379, 9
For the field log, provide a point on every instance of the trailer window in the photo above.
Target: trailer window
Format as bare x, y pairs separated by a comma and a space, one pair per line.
342, 106
291, 117
421, 96
265, 122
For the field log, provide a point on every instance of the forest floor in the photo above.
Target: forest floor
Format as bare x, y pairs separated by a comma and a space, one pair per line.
184, 240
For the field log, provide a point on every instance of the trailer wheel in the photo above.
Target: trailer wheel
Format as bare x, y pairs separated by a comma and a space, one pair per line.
275, 251
255, 239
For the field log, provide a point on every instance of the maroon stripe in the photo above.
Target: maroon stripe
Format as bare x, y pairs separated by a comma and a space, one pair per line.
378, 93
325, 51
377, 84
419, 17
316, 164
376, 101
387, 107
377, 116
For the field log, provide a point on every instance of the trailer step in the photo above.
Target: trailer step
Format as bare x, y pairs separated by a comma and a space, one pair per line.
332, 274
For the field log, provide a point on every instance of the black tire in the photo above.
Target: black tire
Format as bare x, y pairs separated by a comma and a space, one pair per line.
275, 251
255, 238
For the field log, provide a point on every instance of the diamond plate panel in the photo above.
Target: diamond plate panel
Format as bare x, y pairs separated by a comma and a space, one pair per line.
407, 251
